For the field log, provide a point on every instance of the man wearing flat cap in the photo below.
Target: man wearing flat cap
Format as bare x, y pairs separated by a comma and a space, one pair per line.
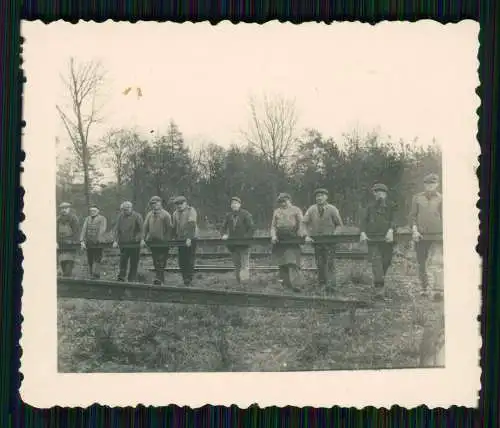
127, 234
185, 225
425, 219
287, 225
238, 224
157, 231
67, 235
92, 239
323, 219
377, 229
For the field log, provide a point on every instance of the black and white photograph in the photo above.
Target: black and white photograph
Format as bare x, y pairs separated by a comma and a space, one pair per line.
247, 200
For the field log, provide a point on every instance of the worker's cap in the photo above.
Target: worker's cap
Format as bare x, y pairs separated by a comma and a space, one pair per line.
379, 187
236, 199
154, 199
93, 206
65, 205
179, 200
321, 191
431, 178
283, 197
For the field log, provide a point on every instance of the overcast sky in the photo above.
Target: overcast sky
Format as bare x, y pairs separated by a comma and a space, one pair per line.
406, 79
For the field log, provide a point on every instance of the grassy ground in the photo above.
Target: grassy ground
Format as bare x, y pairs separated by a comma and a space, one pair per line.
97, 336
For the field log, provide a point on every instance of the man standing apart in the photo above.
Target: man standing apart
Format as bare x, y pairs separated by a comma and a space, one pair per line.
186, 229
157, 233
323, 219
67, 234
287, 225
127, 237
377, 223
239, 224
92, 238
426, 218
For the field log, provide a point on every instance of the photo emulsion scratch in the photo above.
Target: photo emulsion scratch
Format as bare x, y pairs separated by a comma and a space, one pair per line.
285, 210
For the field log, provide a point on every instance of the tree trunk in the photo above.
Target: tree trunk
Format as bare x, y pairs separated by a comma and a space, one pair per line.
86, 183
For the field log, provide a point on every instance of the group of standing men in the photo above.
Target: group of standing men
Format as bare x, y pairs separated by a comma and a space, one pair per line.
288, 223
130, 234
377, 226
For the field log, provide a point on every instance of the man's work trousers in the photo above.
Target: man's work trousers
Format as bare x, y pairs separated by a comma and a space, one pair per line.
241, 261
290, 276
325, 263
94, 259
129, 255
380, 255
424, 249
187, 258
67, 268
160, 256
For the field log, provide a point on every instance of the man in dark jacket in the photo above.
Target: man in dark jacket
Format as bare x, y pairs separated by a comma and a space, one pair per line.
185, 225
377, 223
67, 235
127, 236
156, 234
238, 224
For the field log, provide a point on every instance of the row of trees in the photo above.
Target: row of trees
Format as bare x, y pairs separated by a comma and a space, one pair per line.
273, 158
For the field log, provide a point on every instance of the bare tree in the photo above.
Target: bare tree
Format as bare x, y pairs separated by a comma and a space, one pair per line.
272, 128
119, 145
83, 83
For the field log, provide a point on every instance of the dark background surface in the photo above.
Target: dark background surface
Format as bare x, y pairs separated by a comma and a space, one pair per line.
14, 413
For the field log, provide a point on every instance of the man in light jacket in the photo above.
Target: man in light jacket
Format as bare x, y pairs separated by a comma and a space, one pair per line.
238, 224
127, 236
157, 233
323, 219
286, 225
426, 218
92, 239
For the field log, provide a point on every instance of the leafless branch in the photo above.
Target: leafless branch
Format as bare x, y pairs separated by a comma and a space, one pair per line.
272, 128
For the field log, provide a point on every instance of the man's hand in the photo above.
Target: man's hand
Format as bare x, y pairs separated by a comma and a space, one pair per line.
274, 239
82, 245
389, 236
416, 235
308, 239
143, 243
225, 237
115, 244
188, 242
363, 237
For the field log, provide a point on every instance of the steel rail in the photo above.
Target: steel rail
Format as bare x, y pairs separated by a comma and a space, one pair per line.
112, 290
257, 255
265, 240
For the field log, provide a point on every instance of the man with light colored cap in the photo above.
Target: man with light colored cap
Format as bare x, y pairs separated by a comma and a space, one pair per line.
238, 224
426, 218
185, 229
323, 219
127, 236
157, 232
287, 225
92, 238
377, 229
67, 235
